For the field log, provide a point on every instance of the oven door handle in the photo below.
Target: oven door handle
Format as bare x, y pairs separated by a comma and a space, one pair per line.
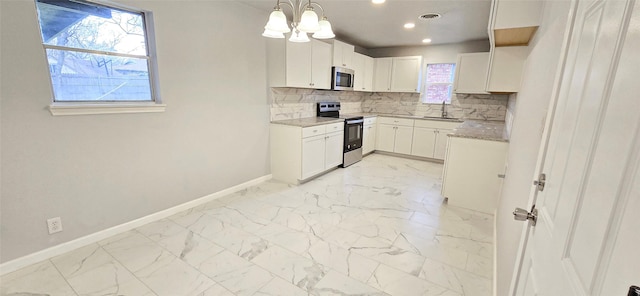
355, 121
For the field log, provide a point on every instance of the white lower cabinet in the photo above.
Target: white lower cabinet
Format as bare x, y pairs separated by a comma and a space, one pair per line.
440, 150
333, 149
394, 135
424, 141
300, 153
430, 138
313, 147
369, 135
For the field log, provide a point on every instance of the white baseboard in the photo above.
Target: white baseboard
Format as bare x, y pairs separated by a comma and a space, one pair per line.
495, 253
62, 248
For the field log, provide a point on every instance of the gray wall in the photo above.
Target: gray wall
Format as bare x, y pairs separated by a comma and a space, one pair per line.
531, 105
98, 171
444, 53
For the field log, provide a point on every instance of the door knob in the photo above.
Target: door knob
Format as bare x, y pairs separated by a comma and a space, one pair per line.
634, 291
523, 215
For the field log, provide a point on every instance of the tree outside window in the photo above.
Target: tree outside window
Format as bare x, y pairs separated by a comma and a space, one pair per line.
96, 53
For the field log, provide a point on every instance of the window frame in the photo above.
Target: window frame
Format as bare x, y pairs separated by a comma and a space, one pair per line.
426, 84
110, 107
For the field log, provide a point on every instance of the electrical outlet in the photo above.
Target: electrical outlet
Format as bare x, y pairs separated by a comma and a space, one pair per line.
54, 224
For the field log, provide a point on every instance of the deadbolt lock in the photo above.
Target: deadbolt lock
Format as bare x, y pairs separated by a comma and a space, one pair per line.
542, 179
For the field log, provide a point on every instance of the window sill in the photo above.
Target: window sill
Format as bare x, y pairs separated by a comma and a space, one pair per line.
63, 109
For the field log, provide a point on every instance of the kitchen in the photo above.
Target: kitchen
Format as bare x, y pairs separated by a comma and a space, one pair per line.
84, 168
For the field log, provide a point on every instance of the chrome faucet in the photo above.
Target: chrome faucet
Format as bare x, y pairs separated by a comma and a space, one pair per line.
444, 111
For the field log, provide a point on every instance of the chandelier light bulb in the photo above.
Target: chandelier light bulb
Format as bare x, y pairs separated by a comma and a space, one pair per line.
272, 34
325, 30
309, 21
304, 21
277, 22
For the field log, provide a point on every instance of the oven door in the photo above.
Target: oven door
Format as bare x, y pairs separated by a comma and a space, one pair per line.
353, 134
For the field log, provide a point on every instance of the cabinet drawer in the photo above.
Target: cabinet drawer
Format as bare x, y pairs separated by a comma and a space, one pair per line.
314, 131
436, 124
395, 121
370, 121
334, 127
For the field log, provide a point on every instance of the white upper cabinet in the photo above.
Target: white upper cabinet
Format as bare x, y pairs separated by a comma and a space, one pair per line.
382, 74
471, 73
298, 64
304, 65
358, 69
514, 22
363, 67
405, 74
343, 54
398, 74
505, 70
320, 64
368, 71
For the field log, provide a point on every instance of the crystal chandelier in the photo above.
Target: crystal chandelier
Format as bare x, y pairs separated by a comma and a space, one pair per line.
305, 20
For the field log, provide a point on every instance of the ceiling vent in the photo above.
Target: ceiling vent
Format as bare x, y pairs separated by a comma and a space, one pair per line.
429, 16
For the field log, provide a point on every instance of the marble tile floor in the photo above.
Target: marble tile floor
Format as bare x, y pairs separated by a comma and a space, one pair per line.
378, 227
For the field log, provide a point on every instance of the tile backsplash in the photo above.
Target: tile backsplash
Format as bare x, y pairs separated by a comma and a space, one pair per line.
290, 103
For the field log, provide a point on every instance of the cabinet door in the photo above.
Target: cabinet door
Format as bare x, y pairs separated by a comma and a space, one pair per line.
382, 74
343, 54
333, 150
369, 139
386, 137
424, 141
404, 136
368, 72
358, 68
405, 74
298, 66
505, 68
471, 73
320, 64
313, 153
441, 143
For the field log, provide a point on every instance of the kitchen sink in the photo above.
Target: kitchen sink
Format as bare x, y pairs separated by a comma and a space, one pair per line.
441, 118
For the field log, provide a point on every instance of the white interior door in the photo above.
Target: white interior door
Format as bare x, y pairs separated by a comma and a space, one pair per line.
586, 237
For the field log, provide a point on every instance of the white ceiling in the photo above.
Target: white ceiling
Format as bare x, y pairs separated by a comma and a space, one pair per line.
381, 25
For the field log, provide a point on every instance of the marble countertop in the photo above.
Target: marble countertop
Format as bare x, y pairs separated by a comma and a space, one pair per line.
406, 116
483, 130
308, 121
313, 121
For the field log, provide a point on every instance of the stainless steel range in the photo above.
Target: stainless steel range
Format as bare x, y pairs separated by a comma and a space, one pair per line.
353, 126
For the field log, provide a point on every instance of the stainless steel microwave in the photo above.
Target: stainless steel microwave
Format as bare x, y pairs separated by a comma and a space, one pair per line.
341, 78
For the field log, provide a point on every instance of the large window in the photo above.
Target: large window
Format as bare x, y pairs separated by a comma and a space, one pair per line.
438, 83
98, 53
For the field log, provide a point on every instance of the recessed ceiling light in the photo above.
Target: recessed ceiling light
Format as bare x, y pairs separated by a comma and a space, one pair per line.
427, 40
377, 1
409, 25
